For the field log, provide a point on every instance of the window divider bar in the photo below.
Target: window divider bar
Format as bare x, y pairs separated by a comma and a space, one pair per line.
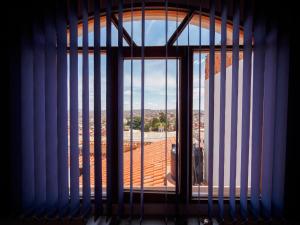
185, 102
180, 28
128, 38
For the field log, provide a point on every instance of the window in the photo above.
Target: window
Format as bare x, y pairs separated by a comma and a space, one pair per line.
153, 105
160, 132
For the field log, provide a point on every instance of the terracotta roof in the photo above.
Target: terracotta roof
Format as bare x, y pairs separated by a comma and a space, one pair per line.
154, 165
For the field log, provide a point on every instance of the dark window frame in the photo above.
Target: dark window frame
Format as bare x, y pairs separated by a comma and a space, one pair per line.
182, 53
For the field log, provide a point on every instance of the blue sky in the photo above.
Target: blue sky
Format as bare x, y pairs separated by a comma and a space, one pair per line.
155, 74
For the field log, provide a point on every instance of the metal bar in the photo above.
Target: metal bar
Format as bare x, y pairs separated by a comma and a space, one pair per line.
128, 38
180, 28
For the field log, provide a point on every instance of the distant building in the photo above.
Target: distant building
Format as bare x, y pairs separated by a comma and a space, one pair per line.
161, 128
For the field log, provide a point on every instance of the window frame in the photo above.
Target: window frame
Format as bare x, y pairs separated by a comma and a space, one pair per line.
182, 53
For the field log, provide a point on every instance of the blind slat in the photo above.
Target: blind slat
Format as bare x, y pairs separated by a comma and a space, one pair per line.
281, 126
85, 112
62, 117
247, 56
177, 122
222, 108
74, 151
234, 108
257, 108
109, 99
62, 110
131, 112
39, 118
50, 165
166, 100
120, 110
142, 108
51, 114
97, 112
268, 120
28, 189
211, 92
199, 96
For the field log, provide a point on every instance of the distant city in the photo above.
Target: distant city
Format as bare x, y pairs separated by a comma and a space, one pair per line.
155, 137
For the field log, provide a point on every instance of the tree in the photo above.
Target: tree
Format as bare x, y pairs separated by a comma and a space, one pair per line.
136, 123
147, 127
162, 117
155, 123
164, 120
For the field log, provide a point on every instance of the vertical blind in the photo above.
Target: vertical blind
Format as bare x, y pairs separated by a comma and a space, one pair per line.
51, 151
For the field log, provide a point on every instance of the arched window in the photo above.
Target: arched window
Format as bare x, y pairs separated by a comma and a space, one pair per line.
160, 99
167, 104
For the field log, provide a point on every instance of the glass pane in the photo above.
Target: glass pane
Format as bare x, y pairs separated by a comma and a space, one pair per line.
114, 34
160, 130
91, 118
155, 26
204, 93
199, 153
193, 29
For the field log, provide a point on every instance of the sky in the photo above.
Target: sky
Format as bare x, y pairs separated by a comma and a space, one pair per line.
155, 72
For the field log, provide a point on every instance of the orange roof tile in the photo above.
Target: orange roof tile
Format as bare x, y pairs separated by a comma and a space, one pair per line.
154, 165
